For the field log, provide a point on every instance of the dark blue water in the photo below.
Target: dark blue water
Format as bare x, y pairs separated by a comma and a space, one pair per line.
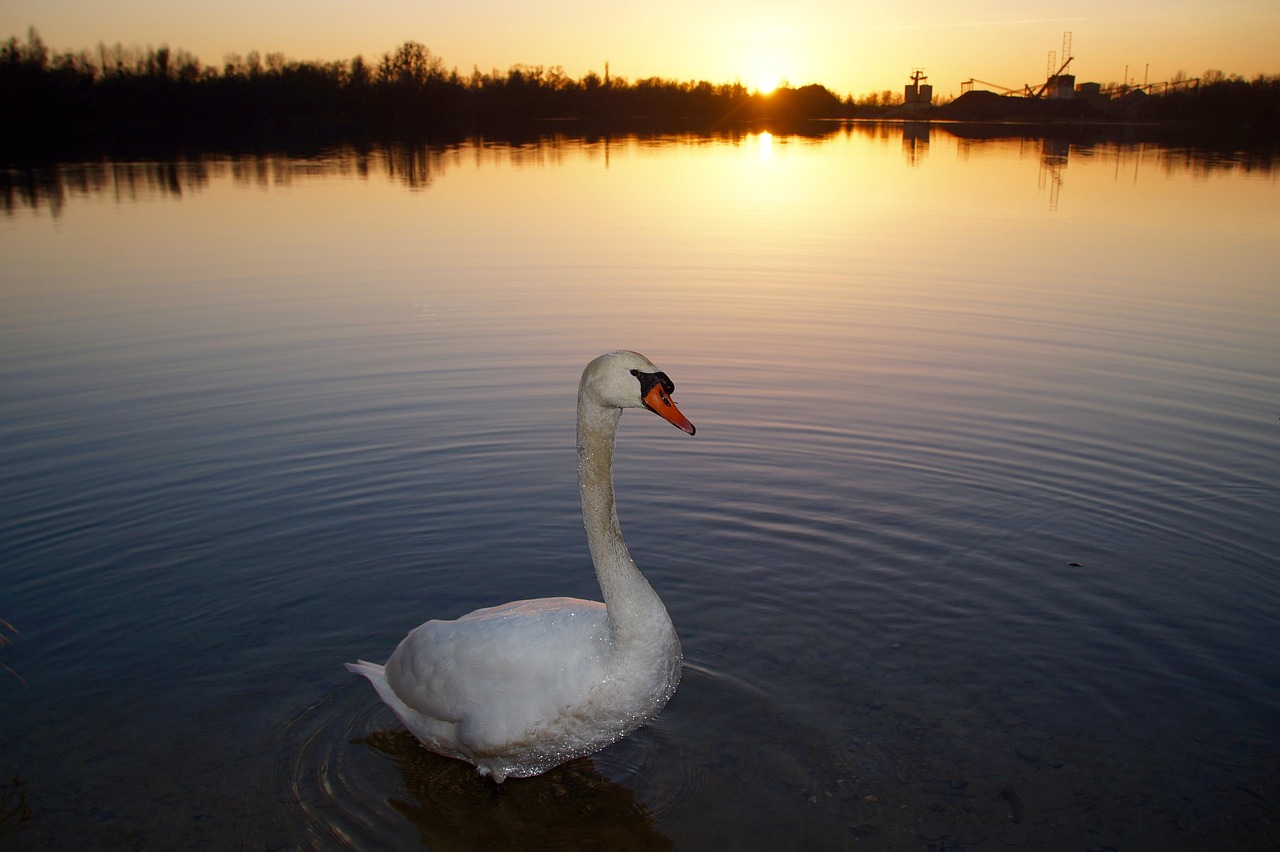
976, 544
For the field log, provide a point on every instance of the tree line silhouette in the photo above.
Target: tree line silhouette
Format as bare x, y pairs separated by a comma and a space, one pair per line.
408, 89
48, 97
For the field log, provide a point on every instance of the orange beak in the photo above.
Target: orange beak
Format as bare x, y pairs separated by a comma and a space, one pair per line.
657, 401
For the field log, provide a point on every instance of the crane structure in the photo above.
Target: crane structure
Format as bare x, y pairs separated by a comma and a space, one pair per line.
967, 86
1052, 77
1055, 78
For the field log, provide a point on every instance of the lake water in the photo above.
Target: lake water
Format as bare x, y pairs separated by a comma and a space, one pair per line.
975, 547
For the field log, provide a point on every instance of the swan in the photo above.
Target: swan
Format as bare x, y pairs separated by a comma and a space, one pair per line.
519, 688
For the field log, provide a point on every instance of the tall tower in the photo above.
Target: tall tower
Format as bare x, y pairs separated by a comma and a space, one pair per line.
918, 93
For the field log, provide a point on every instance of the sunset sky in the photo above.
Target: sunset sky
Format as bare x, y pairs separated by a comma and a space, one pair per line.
852, 47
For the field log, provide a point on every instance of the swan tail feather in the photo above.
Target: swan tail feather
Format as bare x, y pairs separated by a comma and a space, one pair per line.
369, 670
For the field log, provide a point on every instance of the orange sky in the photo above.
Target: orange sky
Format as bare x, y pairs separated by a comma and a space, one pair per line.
851, 47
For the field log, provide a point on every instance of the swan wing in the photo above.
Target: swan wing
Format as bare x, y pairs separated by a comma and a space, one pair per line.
499, 671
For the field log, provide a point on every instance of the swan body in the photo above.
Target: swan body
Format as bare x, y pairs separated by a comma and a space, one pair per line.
519, 688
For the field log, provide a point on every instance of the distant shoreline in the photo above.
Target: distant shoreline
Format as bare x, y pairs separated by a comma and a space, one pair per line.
131, 98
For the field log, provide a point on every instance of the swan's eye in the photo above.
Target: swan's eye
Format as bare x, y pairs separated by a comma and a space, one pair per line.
655, 381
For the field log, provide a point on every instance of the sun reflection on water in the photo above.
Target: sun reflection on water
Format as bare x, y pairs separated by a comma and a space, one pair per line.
765, 142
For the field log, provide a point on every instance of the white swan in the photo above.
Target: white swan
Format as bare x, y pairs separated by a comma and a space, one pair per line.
519, 688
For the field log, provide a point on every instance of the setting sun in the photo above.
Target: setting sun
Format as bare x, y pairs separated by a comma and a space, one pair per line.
766, 81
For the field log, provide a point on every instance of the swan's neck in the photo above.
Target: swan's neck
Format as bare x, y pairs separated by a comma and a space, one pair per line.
632, 604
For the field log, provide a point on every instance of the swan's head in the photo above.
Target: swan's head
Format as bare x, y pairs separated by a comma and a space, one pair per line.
629, 380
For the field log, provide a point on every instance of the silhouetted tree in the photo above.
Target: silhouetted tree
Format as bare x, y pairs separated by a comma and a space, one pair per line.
411, 65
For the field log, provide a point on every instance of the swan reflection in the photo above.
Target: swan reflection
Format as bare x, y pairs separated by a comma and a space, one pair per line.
570, 806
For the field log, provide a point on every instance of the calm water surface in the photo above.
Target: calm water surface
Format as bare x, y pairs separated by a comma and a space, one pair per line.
976, 545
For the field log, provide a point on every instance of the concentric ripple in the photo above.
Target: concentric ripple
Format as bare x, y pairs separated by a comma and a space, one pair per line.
359, 780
